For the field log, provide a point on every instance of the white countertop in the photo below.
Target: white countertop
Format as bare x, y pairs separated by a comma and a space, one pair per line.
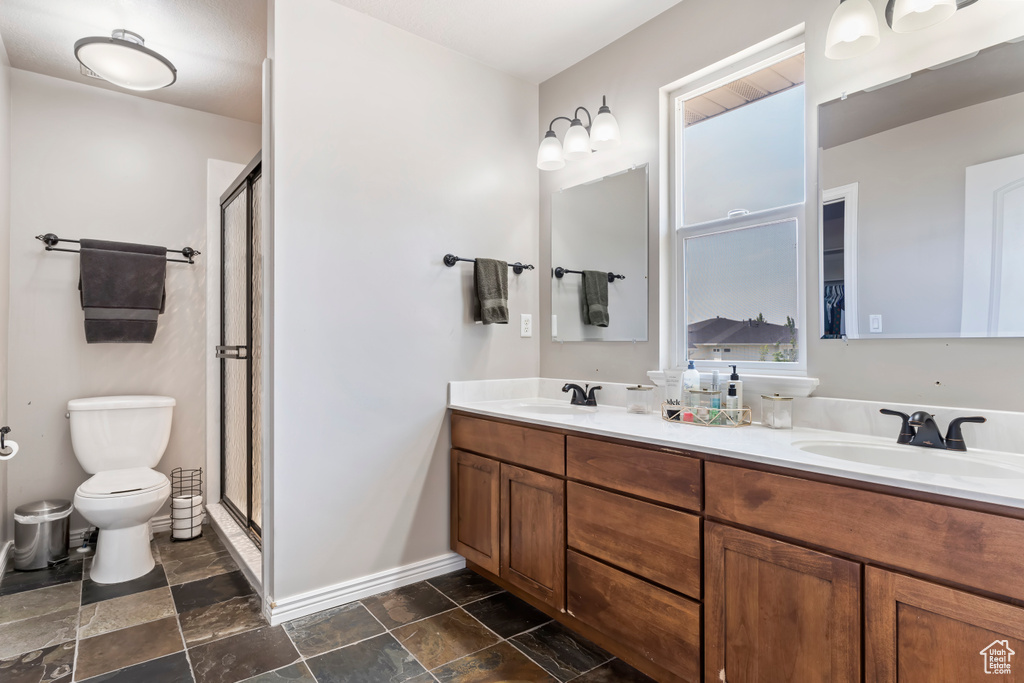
758, 444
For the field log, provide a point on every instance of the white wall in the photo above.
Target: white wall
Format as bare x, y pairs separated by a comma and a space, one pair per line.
696, 34
88, 162
6, 533
389, 152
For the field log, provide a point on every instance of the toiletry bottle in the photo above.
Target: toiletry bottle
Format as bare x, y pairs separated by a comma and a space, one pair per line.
732, 401
691, 382
734, 378
716, 397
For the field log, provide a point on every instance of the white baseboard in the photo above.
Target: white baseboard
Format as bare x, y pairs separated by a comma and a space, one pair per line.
301, 605
6, 552
158, 524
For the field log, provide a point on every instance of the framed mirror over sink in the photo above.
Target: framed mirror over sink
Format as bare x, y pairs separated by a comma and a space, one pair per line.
922, 211
599, 259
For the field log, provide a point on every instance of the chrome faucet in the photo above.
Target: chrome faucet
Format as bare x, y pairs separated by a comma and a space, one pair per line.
581, 397
920, 429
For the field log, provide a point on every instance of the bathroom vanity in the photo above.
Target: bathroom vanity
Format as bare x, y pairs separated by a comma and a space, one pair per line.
692, 565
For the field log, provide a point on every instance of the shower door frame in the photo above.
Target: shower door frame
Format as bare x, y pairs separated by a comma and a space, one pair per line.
242, 185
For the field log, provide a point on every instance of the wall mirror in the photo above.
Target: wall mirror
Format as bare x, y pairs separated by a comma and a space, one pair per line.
922, 222
600, 226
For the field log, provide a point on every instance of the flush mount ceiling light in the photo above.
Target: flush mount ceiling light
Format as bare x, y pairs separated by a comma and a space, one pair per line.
124, 60
599, 133
853, 30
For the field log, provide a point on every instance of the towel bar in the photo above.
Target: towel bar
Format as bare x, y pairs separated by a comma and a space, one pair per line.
560, 271
52, 240
517, 268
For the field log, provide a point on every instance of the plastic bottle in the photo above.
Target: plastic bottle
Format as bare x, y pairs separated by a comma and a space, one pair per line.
732, 401
734, 379
691, 382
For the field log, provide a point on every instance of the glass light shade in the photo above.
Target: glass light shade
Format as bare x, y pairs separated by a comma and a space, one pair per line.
914, 15
125, 61
604, 134
853, 30
549, 155
577, 142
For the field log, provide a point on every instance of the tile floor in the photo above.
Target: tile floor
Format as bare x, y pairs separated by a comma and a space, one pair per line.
194, 618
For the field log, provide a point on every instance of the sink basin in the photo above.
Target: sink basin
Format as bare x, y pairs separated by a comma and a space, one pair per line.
970, 464
542, 407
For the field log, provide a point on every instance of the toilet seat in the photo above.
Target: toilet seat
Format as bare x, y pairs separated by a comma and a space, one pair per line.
132, 481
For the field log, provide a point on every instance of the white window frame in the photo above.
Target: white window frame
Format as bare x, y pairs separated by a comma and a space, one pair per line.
771, 51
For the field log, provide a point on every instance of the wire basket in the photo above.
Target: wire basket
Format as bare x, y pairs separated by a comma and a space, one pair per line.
706, 417
187, 513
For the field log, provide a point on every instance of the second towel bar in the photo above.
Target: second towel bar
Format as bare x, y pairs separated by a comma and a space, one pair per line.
560, 272
517, 267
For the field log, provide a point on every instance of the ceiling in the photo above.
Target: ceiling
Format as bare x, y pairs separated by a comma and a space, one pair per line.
531, 39
217, 46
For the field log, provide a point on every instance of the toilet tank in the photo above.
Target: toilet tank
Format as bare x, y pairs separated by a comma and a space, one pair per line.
117, 432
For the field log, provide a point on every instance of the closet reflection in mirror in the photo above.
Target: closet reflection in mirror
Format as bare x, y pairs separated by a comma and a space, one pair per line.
933, 236
599, 259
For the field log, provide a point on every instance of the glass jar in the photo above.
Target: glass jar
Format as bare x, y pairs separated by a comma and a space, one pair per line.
777, 411
638, 399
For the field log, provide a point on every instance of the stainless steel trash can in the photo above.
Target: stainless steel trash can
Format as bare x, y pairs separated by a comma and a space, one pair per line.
41, 534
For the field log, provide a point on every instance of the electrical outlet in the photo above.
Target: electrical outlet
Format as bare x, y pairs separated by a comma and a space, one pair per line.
554, 326
525, 325
875, 324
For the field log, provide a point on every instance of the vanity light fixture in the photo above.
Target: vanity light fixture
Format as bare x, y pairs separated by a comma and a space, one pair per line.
601, 132
904, 16
853, 30
124, 60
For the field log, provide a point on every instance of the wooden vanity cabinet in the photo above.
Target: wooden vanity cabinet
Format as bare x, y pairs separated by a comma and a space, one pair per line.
921, 632
778, 612
475, 493
533, 534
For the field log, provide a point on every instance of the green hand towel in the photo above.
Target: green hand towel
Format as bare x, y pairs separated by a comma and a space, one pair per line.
595, 298
490, 282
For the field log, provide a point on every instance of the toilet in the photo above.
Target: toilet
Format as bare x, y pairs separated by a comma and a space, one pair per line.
118, 440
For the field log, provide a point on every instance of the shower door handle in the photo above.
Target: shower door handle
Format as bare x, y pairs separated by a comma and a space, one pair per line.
236, 352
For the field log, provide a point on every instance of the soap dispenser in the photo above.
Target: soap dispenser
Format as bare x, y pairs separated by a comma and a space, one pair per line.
691, 382
734, 380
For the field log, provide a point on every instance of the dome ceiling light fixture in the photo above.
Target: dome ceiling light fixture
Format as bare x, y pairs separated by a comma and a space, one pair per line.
601, 132
124, 60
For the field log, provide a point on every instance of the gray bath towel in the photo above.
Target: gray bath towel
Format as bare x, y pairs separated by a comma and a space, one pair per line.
595, 298
122, 291
490, 283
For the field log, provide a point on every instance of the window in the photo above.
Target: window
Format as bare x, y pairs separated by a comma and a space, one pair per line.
739, 160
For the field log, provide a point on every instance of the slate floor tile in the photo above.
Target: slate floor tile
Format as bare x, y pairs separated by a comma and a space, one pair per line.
463, 586
378, 660
444, 638
127, 647
506, 615
242, 656
222, 619
37, 633
176, 550
496, 664
95, 592
195, 567
333, 628
406, 604
49, 665
128, 610
296, 673
615, 671
210, 591
16, 582
40, 601
561, 653
170, 669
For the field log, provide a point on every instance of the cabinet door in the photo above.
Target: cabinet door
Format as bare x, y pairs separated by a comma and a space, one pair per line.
533, 534
778, 612
920, 632
474, 511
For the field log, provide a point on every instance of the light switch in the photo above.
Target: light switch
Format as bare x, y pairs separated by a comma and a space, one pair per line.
554, 326
526, 325
875, 324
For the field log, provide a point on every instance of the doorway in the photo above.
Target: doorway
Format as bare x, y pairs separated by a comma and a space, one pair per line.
240, 350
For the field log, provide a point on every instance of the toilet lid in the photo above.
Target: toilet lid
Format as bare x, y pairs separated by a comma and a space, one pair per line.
126, 482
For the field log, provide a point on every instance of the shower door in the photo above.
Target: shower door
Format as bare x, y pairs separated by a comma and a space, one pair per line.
240, 350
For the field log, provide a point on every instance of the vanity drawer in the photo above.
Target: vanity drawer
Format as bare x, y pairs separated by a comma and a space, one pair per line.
660, 626
518, 445
648, 540
962, 546
662, 477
